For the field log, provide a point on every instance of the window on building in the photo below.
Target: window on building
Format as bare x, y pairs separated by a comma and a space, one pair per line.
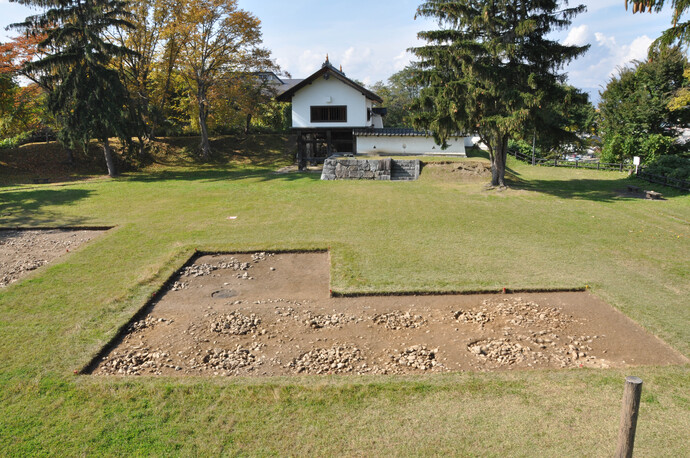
329, 114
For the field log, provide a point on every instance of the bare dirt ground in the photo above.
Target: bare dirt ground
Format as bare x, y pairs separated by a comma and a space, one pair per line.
268, 315
22, 252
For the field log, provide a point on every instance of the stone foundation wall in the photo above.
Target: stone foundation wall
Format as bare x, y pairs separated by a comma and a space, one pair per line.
369, 169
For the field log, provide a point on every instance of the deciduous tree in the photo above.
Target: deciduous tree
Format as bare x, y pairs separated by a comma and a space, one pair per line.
216, 38
636, 119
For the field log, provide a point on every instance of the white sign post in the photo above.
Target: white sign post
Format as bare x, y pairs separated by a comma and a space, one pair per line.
636, 161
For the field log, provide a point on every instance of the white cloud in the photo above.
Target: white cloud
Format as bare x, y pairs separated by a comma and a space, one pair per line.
578, 36
354, 59
603, 60
308, 62
639, 48
603, 40
402, 60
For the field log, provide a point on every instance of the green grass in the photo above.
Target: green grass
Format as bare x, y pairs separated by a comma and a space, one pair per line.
555, 228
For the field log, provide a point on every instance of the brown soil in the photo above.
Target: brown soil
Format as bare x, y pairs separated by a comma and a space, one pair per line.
272, 315
22, 252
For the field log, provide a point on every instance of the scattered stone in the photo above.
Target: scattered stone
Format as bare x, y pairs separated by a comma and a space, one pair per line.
501, 351
339, 359
179, 286
233, 264
323, 321
235, 323
417, 357
198, 270
256, 257
135, 362
481, 317
399, 320
229, 360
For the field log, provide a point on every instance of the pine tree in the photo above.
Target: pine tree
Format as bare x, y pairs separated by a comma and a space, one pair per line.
86, 97
490, 69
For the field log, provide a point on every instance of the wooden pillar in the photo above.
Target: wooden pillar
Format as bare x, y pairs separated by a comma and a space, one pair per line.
314, 144
329, 148
301, 152
631, 407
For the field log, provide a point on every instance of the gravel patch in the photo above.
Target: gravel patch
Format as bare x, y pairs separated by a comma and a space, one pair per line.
22, 252
417, 357
339, 359
235, 323
399, 320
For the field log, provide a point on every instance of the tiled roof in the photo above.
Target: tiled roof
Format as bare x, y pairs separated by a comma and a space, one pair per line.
287, 85
394, 132
326, 70
390, 132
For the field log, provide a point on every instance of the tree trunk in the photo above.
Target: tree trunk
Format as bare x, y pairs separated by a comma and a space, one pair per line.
205, 145
498, 161
142, 154
248, 124
70, 156
109, 158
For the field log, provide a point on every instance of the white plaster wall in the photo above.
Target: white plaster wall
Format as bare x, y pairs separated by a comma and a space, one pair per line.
409, 145
319, 93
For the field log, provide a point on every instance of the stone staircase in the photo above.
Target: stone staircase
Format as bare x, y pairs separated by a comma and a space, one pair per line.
404, 170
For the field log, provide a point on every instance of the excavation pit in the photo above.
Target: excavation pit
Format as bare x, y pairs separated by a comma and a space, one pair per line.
283, 321
23, 251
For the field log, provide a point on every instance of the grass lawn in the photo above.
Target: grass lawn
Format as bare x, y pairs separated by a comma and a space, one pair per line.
555, 228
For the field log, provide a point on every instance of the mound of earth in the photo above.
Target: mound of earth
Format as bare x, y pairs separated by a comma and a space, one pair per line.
458, 170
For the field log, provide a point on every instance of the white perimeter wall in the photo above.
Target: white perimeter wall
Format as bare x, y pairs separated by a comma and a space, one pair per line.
318, 94
409, 145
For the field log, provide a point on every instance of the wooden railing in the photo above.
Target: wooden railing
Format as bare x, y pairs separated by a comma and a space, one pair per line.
622, 167
664, 180
573, 164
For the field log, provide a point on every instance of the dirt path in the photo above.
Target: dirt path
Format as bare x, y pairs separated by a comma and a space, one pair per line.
22, 252
272, 315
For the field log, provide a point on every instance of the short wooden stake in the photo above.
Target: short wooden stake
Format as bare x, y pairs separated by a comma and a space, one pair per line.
631, 407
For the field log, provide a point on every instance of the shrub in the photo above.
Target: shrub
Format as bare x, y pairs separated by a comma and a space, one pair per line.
677, 167
16, 141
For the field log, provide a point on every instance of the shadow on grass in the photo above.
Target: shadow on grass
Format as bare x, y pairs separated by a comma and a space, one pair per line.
253, 150
27, 208
592, 189
477, 153
215, 174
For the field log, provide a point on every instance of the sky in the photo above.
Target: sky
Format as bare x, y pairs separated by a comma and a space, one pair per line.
370, 38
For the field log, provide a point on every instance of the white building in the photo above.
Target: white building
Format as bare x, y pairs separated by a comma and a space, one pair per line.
332, 114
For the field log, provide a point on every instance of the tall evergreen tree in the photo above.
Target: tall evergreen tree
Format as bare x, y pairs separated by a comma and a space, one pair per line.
86, 95
490, 69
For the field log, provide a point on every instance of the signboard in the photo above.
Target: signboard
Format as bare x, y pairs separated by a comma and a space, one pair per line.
636, 160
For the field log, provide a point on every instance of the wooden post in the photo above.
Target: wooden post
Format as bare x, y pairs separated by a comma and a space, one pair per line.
631, 407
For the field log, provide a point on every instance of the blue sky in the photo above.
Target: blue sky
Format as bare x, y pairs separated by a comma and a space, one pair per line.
369, 38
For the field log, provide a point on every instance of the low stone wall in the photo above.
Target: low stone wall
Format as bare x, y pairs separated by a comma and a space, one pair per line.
369, 169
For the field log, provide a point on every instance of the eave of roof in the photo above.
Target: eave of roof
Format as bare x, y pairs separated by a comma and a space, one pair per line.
332, 71
394, 132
